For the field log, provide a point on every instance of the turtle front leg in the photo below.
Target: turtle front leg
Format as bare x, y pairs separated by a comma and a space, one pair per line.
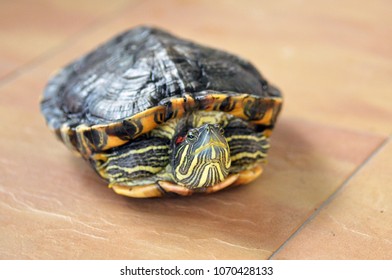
248, 175
171, 187
158, 189
152, 190
162, 188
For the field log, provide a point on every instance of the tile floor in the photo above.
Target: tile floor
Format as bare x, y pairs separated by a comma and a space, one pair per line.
325, 193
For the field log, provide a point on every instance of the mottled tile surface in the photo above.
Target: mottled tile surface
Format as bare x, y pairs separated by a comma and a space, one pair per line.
30, 30
334, 67
357, 223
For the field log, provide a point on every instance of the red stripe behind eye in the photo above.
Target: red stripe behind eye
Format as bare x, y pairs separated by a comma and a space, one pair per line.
180, 139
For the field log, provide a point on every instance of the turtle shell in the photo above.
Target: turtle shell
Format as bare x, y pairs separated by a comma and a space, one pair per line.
144, 77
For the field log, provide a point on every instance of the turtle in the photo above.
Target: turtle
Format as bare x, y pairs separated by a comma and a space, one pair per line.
155, 114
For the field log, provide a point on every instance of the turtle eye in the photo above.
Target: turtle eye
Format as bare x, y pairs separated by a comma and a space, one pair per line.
192, 135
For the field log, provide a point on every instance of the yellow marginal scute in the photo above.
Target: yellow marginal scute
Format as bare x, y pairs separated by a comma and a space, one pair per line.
179, 106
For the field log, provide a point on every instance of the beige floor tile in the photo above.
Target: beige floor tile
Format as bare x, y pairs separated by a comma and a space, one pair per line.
32, 29
357, 223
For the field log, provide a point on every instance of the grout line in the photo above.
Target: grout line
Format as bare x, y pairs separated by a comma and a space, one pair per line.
94, 25
332, 196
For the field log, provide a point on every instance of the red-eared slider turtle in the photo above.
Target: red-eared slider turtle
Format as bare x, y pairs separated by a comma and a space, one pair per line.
154, 114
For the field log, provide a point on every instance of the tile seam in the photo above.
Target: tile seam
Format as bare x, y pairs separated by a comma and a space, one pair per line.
326, 202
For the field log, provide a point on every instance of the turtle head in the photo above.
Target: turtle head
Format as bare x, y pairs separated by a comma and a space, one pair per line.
201, 158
